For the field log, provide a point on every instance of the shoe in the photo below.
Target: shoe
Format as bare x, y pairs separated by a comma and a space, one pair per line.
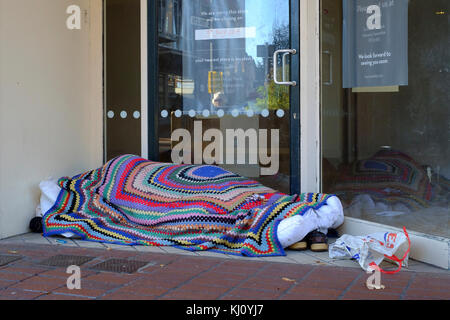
317, 241
299, 246
36, 225
332, 233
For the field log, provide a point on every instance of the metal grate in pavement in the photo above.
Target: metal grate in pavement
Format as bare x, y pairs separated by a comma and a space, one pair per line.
5, 259
63, 260
119, 266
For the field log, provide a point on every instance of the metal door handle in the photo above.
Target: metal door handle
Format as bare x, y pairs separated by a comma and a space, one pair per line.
284, 64
275, 66
330, 82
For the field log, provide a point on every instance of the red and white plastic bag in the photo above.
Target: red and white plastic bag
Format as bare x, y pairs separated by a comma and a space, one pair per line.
372, 249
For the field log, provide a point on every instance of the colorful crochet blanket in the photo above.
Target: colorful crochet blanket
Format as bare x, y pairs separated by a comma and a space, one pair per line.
133, 201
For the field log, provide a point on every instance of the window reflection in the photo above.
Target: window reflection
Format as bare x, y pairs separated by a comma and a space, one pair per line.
219, 54
386, 147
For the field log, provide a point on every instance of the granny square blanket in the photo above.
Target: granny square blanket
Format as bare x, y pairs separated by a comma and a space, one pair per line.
134, 201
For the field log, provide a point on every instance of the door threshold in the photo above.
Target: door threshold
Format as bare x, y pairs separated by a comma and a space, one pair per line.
425, 248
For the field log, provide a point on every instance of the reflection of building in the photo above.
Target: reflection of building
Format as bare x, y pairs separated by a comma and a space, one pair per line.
203, 45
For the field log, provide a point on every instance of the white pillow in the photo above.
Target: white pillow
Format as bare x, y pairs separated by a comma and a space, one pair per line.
49, 193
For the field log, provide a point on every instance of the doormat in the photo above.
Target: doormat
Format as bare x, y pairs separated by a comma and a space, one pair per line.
119, 266
5, 259
66, 261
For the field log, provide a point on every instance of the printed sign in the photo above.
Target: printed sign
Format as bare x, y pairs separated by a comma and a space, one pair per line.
201, 22
375, 43
225, 33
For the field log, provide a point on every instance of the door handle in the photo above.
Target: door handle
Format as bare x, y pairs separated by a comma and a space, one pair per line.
275, 67
284, 66
330, 82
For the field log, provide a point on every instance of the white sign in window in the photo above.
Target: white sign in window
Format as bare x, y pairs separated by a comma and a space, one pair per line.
225, 33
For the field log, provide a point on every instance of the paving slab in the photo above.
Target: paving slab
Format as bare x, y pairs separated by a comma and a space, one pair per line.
174, 275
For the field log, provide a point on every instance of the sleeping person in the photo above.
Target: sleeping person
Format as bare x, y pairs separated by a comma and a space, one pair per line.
134, 201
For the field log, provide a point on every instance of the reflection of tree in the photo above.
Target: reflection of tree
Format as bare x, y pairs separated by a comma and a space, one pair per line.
273, 96
281, 37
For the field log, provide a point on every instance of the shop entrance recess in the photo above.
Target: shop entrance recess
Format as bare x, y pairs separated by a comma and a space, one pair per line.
223, 87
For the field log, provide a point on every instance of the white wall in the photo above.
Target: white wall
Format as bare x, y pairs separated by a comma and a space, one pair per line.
50, 101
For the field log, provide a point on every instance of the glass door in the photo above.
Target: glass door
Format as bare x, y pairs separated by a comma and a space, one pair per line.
223, 87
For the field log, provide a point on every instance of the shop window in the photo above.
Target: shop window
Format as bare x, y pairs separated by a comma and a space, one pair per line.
385, 111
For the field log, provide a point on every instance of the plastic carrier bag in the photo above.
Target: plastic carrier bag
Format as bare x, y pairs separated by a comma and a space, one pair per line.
372, 249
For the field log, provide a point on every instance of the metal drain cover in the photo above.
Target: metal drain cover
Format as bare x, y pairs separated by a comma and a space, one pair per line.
66, 260
119, 266
5, 259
